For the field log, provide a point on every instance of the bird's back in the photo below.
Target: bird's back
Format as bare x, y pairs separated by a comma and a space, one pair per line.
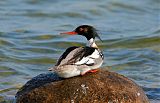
72, 55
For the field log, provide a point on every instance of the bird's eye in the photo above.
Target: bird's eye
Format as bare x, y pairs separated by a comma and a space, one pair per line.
80, 29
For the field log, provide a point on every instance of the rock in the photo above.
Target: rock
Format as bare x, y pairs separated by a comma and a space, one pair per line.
101, 87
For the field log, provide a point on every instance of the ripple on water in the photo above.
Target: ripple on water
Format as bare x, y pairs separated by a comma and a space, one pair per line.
58, 44
33, 50
41, 14
127, 7
6, 71
153, 93
5, 42
137, 42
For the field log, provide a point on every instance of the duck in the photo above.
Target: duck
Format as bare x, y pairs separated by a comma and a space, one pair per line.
76, 60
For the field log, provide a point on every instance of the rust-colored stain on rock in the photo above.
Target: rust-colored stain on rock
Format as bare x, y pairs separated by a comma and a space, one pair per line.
101, 87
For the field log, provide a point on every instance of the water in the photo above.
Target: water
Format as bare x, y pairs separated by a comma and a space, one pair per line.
30, 40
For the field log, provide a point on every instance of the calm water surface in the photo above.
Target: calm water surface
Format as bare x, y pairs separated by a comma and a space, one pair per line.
30, 40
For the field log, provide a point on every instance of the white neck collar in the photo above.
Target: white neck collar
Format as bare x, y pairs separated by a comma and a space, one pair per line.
92, 43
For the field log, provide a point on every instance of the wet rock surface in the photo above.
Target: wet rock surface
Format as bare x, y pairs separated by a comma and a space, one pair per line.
100, 87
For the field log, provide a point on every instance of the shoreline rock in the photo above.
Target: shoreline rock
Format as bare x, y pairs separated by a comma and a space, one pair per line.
101, 87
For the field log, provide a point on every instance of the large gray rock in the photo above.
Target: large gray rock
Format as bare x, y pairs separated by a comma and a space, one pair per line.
101, 87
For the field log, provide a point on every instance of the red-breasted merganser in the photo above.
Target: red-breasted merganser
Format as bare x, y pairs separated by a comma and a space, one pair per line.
80, 60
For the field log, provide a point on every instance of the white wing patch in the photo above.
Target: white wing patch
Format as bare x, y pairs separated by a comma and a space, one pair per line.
95, 54
83, 61
89, 59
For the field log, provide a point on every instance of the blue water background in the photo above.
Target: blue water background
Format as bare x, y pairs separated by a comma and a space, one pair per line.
30, 40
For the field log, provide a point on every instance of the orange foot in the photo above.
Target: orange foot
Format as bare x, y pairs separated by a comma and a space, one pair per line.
90, 71
93, 71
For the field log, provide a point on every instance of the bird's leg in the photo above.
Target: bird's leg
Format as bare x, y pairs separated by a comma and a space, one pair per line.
93, 71
90, 71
